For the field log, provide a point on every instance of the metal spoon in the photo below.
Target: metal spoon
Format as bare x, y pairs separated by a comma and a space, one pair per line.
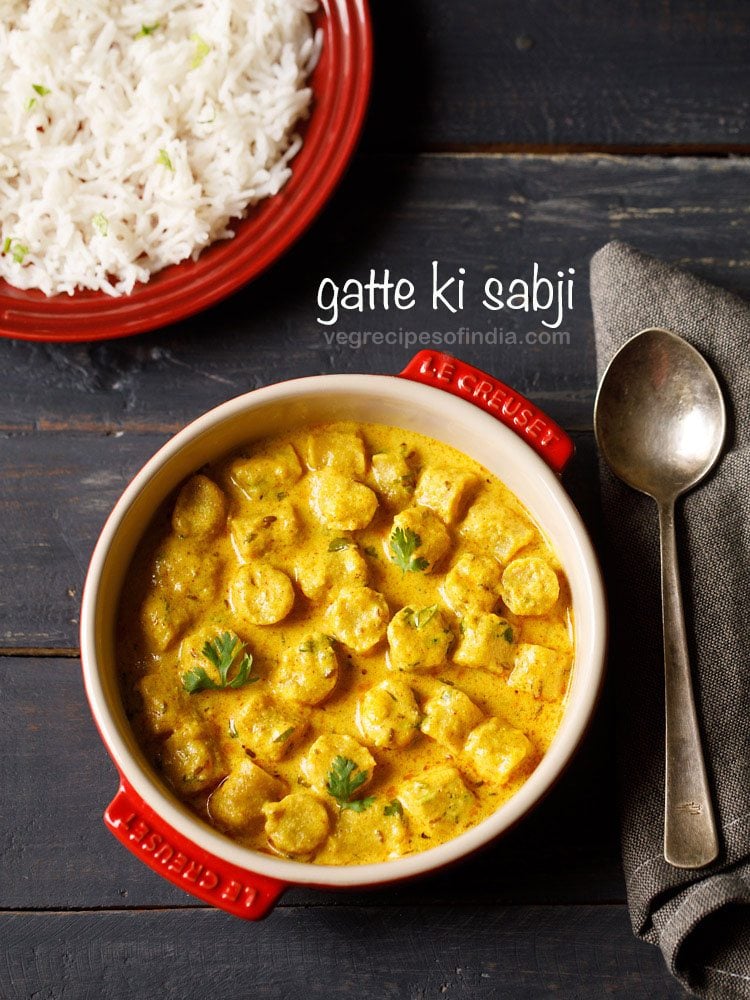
660, 423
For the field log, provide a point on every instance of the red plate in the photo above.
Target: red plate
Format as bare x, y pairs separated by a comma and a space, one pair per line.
341, 85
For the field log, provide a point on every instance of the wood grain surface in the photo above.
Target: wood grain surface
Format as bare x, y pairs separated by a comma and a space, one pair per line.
542, 73
499, 134
347, 951
493, 215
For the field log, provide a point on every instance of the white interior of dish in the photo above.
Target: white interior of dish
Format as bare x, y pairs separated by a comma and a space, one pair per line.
385, 400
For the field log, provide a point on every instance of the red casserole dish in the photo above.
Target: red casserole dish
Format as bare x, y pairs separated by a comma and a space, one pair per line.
439, 396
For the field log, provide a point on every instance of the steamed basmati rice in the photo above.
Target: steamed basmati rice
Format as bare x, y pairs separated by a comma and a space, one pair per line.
131, 133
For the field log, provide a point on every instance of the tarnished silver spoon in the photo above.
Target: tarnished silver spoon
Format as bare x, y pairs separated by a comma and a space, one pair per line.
660, 422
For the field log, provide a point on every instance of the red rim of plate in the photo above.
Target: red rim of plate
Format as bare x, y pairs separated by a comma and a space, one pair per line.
341, 87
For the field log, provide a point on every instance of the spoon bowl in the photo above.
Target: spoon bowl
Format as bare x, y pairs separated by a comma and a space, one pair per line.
660, 423
659, 416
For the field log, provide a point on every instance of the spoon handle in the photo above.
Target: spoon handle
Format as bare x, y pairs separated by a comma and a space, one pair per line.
690, 837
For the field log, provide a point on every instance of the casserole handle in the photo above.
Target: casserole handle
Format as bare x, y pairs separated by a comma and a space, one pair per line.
443, 371
188, 866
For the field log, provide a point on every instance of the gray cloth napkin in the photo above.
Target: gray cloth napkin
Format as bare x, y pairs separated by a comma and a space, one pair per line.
699, 919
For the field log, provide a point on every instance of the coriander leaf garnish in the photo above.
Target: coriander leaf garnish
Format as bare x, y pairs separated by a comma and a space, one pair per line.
16, 249
343, 782
202, 48
338, 544
283, 737
221, 652
41, 90
394, 808
424, 615
403, 544
164, 160
100, 223
198, 680
358, 805
148, 29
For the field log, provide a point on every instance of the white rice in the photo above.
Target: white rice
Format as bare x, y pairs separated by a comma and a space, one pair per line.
132, 132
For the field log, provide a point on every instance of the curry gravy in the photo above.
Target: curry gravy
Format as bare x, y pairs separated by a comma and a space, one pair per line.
410, 635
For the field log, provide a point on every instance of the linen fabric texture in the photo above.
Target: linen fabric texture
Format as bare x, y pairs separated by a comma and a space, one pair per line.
699, 919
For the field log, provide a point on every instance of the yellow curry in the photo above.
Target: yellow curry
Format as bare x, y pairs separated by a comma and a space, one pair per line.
347, 644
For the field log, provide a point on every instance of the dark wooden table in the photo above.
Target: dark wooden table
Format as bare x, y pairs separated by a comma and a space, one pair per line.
501, 133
